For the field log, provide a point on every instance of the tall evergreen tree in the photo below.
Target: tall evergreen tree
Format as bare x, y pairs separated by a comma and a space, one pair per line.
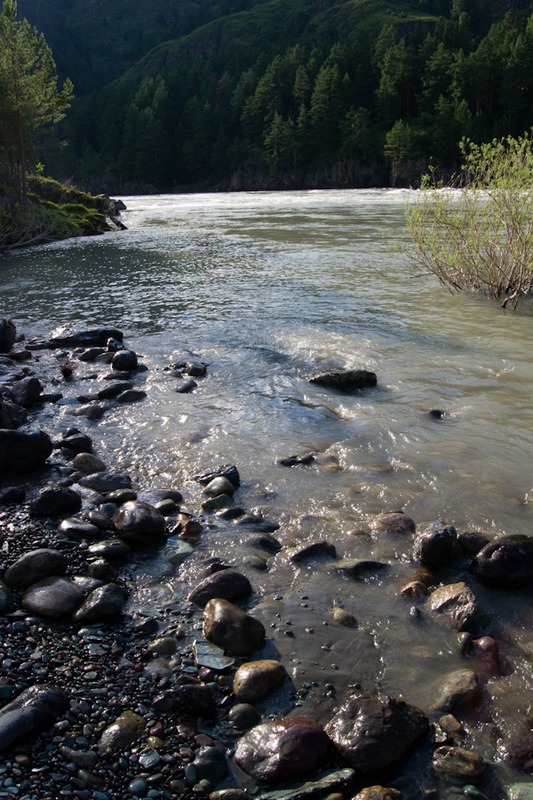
30, 100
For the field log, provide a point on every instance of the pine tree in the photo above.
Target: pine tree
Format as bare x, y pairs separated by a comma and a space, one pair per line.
30, 101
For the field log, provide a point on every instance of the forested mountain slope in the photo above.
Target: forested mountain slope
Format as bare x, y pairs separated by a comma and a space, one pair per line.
284, 93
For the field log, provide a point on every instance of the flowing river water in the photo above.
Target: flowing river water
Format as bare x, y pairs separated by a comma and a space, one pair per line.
268, 289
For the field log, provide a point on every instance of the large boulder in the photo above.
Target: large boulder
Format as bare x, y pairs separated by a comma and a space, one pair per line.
505, 563
139, 523
23, 452
231, 628
349, 380
282, 750
373, 733
34, 710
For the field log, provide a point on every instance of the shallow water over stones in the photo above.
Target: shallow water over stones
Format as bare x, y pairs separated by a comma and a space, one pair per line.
325, 568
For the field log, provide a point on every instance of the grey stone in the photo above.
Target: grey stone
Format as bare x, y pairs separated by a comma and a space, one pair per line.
53, 597
139, 523
349, 380
105, 482
104, 604
34, 710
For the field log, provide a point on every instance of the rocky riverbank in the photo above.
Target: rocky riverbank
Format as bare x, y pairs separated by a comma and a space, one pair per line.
226, 690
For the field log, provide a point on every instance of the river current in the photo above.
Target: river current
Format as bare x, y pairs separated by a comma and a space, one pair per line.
269, 288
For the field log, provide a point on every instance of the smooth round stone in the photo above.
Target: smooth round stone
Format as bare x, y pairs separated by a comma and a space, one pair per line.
505, 563
138, 787
56, 501
104, 604
436, 546
78, 528
118, 736
219, 485
139, 523
124, 361
457, 689
131, 396
34, 566
344, 618
395, 522
255, 679
226, 584
6, 599
53, 597
109, 548
244, 716
228, 626
105, 482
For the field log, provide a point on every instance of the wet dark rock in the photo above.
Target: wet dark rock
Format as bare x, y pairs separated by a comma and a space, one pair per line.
263, 541
282, 750
131, 396
458, 764
210, 764
219, 485
226, 584
360, 568
373, 733
109, 548
14, 495
229, 627
257, 523
7, 602
78, 528
297, 461
12, 415
436, 546
457, 604
255, 679
349, 380
505, 563
8, 335
34, 566
125, 361
244, 716
436, 413
27, 392
23, 452
196, 699
227, 471
34, 710
88, 463
139, 523
96, 337
392, 522
314, 550
90, 354
472, 541
56, 501
485, 656
378, 793
118, 497
104, 604
185, 387
113, 389
105, 482
52, 598
77, 442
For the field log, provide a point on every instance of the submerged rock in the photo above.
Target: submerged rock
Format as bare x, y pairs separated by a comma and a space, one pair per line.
94, 337
372, 733
282, 750
457, 604
436, 546
349, 380
392, 522
458, 764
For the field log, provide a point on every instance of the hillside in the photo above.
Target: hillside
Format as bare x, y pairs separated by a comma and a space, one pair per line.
283, 93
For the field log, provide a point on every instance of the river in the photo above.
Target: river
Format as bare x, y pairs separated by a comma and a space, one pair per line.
269, 288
